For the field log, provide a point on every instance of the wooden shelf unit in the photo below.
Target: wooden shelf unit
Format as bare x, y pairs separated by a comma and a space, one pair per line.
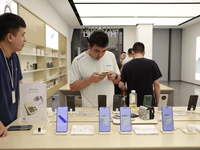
51, 63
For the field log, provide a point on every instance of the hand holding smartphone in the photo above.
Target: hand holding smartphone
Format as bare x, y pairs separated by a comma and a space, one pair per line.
103, 73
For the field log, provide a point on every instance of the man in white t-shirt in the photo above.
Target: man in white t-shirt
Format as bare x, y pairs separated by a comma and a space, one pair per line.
86, 71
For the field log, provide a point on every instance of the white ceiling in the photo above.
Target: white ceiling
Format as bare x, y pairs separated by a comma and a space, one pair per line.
134, 12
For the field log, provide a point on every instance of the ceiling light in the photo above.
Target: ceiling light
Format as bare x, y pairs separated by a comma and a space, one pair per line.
184, 10
133, 21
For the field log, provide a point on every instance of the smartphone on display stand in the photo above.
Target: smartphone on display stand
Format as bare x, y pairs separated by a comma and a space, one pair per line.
55, 102
192, 102
117, 101
147, 101
71, 102
162, 101
62, 120
20, 127
104, 120
167, 119
125, 120
101, 101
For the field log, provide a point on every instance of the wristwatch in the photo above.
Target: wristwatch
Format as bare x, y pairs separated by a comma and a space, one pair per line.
116, 76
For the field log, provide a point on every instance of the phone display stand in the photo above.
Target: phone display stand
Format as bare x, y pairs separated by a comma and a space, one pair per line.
84, 113
159, 111
188, 132
167, 132
52, 113
104, 132
36, 132
62, 133
71, 112
116, 111
125, 132
191, 111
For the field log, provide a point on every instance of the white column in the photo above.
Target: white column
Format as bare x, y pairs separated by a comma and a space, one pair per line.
144, 34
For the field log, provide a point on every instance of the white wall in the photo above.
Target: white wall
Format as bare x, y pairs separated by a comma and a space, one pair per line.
129, 37
161, 51
139, 33
144, 34
44, 11
188, 68
176, 42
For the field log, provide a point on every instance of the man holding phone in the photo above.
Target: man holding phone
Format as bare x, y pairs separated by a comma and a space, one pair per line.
86, 71
12, 39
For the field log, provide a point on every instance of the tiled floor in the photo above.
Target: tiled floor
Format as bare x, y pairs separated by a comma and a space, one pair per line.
182, 91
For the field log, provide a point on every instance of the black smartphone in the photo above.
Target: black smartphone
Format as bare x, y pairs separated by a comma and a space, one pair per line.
192, 102
117, 101
101, 101
71, 102
62, 120
20, 127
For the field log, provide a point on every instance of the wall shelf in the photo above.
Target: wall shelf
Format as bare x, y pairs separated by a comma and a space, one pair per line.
37, 52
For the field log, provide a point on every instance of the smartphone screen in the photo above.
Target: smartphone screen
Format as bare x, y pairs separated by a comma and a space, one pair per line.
104, 119
55, 102
167, 119
125, 119
147, 100
71, 102
117, 99
162, 101
192, 102
101, 101
20, 127
62, 119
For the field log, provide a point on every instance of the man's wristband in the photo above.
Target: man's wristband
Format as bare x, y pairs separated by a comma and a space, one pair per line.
116, 76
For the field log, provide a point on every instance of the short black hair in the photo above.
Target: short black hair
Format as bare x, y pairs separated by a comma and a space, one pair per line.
138, 47
130, 51
123, 52
99, 38
10, 23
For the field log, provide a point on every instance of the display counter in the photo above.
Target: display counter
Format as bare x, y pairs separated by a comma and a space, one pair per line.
26, 140
65, 90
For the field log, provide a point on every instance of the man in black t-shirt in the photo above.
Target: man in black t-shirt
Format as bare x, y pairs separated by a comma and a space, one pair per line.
141, 74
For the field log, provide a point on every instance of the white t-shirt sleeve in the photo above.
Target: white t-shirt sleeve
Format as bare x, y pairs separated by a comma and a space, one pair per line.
74, 74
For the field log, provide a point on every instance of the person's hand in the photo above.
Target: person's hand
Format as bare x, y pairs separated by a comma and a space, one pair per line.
96, 77
3, 130
111, 75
